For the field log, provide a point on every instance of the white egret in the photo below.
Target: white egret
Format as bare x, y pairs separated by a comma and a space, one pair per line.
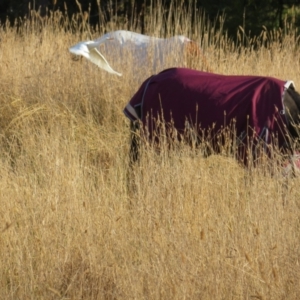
121, 41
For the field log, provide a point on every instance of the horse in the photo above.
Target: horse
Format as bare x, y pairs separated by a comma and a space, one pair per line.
259, 110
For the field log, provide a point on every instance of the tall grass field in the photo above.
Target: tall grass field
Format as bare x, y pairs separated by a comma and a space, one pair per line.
76, 223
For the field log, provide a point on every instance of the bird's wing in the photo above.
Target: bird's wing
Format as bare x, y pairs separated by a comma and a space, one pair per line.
98, 59
89, 51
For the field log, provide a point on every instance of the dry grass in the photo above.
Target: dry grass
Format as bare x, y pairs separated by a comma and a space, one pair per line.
191, 228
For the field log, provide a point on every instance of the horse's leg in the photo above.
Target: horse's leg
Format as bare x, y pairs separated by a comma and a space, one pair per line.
135, 141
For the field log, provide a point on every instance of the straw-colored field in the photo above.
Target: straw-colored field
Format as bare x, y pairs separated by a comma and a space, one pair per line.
75, 226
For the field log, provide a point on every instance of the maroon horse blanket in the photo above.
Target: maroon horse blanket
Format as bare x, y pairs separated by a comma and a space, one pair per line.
207, 100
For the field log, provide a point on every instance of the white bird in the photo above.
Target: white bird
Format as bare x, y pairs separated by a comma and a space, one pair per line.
89, 50
137, 43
